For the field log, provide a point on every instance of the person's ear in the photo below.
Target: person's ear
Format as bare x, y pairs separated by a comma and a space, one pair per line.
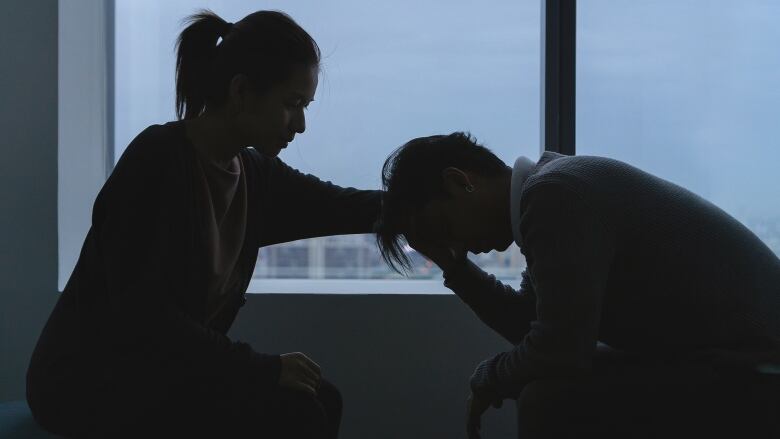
239, 94
457, 182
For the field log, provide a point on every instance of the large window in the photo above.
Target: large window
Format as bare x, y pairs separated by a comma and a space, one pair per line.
687, 90
391, 71
684, 89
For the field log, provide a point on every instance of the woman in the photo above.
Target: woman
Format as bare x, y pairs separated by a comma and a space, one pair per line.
136, 344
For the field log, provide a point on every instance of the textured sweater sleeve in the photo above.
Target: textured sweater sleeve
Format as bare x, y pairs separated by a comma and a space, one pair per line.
136, 230
569, 253
302, 206
499, 306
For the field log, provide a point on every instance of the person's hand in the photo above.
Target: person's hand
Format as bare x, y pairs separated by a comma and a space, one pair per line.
299, 372
445, 256
477, 405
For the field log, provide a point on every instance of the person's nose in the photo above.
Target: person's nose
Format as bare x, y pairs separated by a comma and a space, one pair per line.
298, 122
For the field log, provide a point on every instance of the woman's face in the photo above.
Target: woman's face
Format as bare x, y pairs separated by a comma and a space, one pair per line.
270, 121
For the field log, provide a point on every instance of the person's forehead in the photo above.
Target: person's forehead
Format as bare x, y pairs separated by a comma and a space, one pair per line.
303, 81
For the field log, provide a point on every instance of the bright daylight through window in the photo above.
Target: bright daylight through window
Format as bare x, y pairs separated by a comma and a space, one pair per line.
387, 76
686, 90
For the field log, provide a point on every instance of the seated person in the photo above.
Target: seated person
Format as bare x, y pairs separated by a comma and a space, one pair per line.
137, 345
644, 311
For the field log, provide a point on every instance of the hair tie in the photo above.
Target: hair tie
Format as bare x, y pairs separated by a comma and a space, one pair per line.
226, 29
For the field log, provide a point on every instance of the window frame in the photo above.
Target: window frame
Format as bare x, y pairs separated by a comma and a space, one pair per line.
85, 120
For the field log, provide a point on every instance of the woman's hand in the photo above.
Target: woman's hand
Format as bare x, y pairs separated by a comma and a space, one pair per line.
299, 372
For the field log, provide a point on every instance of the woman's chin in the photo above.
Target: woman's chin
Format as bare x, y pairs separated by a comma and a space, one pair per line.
270, 152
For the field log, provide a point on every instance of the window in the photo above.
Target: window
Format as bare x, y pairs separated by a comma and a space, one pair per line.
388, 75
687, 90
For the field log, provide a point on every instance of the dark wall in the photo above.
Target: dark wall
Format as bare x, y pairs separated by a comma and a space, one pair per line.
402, 362
28, 182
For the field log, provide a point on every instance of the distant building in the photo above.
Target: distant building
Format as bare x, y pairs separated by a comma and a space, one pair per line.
357, 257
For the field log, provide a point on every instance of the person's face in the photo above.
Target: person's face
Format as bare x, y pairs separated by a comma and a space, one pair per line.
474, 221
270, 121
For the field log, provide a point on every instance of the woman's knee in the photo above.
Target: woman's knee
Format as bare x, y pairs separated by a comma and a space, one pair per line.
330, 397
544, 407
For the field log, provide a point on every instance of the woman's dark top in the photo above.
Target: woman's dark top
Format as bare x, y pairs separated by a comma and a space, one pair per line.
137, 301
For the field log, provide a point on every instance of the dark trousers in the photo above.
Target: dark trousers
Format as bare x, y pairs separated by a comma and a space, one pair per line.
631, 397
137, 408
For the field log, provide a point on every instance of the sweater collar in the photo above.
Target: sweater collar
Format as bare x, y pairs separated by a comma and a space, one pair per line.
521, 170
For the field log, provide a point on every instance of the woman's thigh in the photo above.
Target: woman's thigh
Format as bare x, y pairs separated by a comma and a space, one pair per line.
142, 402
282, 413
295, 414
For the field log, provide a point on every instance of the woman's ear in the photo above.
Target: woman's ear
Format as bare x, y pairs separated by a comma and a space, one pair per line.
457, 182
238, 93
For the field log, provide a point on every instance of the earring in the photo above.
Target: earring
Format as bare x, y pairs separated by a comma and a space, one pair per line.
470, 188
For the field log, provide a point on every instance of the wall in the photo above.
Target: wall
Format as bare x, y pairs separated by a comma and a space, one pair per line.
28, 182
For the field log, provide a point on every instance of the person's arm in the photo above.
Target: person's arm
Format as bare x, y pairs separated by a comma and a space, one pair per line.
505, 310
136, 234
569, 254
499, 306
299, 206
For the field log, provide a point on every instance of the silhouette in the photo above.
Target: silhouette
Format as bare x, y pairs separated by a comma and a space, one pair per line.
644, 311
136, 344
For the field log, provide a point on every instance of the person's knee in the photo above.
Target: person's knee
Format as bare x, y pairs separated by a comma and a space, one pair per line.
541, 407
299, 415
330, 397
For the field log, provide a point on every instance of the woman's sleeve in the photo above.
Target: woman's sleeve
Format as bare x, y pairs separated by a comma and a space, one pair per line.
139, 240
300, 206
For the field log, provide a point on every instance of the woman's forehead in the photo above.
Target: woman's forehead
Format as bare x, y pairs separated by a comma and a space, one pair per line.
303, 82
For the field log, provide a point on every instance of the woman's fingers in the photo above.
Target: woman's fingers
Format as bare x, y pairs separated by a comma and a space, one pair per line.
305, 387
314, 367
308, 371
302, 373
304, 370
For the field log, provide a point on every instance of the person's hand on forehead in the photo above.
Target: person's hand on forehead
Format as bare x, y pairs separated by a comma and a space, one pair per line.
427, 234
424, 229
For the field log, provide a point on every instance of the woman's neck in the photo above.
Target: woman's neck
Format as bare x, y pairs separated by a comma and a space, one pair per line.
214, 137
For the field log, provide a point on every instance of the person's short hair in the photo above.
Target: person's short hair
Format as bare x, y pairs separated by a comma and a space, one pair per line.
412, 176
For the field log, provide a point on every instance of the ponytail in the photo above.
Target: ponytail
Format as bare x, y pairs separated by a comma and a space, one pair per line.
196, 51
265, 46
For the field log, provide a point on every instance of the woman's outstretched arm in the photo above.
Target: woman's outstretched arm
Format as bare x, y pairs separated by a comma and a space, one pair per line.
299, 206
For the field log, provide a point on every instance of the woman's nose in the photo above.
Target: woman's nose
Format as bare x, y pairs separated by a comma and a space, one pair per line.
299, 123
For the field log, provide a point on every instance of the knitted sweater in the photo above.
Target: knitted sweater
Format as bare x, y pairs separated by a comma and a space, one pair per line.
619, 256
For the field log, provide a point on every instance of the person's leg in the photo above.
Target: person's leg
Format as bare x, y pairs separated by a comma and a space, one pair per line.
330, 398
283, 413
629, 397
144, 406
298, 415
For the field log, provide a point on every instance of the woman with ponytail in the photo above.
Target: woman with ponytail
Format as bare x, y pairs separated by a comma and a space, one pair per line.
136, 344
